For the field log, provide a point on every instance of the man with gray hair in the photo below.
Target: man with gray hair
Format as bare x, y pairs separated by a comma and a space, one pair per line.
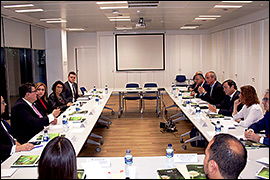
262, 124
214, 94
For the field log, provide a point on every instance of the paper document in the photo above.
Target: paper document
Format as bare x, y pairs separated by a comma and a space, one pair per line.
264, 160
186, 157
93, 170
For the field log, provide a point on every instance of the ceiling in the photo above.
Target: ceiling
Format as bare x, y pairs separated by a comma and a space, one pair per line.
168, 15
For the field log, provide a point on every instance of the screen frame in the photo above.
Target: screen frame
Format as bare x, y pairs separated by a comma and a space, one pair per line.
141, 34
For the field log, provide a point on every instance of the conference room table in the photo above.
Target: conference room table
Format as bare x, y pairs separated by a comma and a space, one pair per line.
141, 92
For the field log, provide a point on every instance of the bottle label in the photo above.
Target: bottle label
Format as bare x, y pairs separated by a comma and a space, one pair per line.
169, 153
45, 137
128, 159
64, 121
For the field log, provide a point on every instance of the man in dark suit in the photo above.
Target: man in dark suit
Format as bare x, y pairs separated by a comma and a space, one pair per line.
9, 145
200, 81
226, 106
71, 92
215, 94
26, 120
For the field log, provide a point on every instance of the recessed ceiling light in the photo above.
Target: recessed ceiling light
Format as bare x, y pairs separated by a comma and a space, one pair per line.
29, 10
237, 1
111, 2
56, 21
227, 6
114, 7
75, 29
201, 18
18, 5
123, 28
209, 16
138, 11
51, 19
119, 19
189, 27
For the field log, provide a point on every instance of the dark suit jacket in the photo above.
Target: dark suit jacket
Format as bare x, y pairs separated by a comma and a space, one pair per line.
226, 106
41, 108
205, 86
218, 94
68, 92
262, 124
6, 143
25, 123
55, 103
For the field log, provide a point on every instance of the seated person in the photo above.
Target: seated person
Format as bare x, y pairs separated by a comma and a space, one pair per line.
71, 92
262, 124
225, 157
56, 99
58, 160
215, 94
9, 145
226, 106
192, 86
42, 100
26, 120
251, 111
200, 82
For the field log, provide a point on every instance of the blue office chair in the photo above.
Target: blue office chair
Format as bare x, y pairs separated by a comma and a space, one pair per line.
150, 95
181, 81
132, 95
83, 90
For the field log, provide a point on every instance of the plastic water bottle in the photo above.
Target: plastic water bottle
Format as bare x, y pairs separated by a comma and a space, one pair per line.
128, 162
198, 112
65, 123
218, 127
179, 95
97, 99
173, 88
94, 89
46, 136
188, 104
169, 156
169, 151
106, 89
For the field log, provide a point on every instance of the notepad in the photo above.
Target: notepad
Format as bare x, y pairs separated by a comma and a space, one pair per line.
26, 160
75, 118
196, 171
172, 173
263, 173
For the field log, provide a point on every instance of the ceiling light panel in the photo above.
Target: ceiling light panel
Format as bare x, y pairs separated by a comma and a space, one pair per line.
18, 5
119, 19
237, 1
209, 16
114, 7
227, 6
112, 2
28, 10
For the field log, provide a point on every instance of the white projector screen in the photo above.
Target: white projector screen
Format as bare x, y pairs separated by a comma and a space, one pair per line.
140, 52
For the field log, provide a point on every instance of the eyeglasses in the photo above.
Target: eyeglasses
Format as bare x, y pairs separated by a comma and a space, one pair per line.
265, 99
33, 91
3, 102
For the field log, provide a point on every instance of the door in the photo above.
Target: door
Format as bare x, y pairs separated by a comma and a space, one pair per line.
86, 67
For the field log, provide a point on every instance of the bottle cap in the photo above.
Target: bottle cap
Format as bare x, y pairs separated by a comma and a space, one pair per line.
218, 122
170, 145
128, 151
64, 116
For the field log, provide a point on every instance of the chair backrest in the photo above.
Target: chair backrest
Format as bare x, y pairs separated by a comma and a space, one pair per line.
83, 89
180, 78
150, 85
132, 85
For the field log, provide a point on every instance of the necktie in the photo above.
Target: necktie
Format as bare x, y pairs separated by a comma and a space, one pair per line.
211, 90
38, 113
74, 93
10, 137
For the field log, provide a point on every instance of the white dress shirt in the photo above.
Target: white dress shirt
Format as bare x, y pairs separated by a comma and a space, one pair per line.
13, 149
251, 115
71, 87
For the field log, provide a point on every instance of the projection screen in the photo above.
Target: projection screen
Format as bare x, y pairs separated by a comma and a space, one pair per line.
140, 52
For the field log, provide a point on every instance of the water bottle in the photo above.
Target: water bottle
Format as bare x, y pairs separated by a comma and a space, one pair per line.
188, 104
173, 87
106, 89
218, 127
198, 112
97, 99
169, 156
65, 123
179, 95
94, 89
169, 151
46, 136
128, 162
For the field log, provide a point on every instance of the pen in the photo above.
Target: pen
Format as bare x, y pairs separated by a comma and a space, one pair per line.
26, 160
38, 146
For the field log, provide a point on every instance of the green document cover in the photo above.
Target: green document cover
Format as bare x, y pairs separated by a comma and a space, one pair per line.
187, 97
79, 112
196, 171
76, 118
170, 174
81, 174
26, 160
215, 115
51, 136
252, 144
263, 173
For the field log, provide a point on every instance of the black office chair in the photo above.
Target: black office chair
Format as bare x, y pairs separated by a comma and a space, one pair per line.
150, 95
181, 81
132, 95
